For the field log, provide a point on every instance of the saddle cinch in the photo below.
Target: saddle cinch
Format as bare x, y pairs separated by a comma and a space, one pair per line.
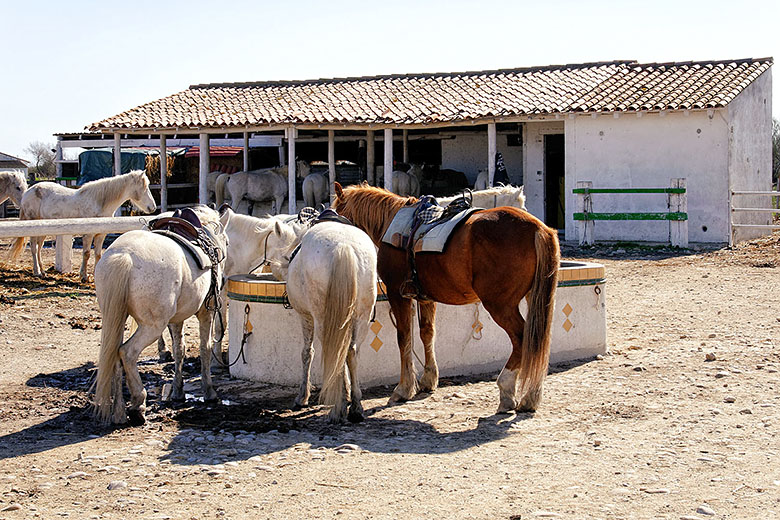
184, 227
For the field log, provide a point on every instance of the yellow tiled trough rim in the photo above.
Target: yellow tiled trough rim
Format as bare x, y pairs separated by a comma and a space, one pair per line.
248, 288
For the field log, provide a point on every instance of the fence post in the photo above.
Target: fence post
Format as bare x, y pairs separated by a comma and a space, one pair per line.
585, 226
63, 258
678, 203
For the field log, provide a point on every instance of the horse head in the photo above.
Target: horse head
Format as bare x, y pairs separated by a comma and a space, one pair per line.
141, 195
302, 168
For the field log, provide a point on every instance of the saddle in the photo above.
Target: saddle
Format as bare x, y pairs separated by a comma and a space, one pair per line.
184, 227
312, 217
425, 227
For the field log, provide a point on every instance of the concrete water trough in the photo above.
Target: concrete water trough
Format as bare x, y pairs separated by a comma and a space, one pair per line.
468, 341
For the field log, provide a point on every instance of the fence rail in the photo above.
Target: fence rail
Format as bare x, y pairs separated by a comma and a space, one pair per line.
733, 226
677, 204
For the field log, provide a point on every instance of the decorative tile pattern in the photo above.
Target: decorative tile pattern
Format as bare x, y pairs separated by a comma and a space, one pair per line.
415, 99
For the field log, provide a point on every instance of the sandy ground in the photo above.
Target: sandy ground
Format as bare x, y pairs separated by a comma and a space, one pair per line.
679, 421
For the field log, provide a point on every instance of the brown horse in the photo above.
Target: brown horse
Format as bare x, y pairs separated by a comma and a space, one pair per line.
497, 256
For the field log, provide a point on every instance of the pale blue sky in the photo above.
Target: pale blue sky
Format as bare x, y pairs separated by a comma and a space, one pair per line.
64, 65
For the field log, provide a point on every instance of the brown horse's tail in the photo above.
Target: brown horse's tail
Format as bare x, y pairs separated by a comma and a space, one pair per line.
18, 244
541, 300
337, 323
113, 307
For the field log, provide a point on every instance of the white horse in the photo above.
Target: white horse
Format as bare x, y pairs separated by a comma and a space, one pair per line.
493, 197
406, 184
315, 189
12, 186
100, 198
211, 183
150, 277
331, 283
258, 185
482, 180
251, 241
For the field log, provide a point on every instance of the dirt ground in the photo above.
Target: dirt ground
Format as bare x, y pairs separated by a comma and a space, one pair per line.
679, 420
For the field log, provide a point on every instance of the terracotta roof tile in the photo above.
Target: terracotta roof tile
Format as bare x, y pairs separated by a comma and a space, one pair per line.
444, 97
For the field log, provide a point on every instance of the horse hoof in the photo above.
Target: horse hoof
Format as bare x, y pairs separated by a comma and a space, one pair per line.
355, 417
165, 357
211, 397
300, 406
136, 418
396, 398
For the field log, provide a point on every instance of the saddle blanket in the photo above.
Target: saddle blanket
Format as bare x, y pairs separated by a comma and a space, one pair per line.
431, 237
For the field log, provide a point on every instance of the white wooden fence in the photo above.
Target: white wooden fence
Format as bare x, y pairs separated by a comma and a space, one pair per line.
66, 228
733, 226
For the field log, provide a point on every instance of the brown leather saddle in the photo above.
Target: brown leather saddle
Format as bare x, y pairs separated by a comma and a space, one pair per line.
185, 228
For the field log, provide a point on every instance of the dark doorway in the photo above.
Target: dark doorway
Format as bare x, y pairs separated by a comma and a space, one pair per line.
554, 183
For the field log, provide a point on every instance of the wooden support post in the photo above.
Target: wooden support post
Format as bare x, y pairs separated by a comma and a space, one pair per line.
63, 253
281, 155
246, 151
163, 173
203, 169
491, 134
585, 227
388, 159
331, 164
292, 206
117, 153
370, 158
678, 203
58, 157
405, 138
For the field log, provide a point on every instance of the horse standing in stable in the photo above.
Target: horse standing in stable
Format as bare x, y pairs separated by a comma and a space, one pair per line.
99, 198
150, 277
497, 256
331, 283
12, 186
258, 185
315, 189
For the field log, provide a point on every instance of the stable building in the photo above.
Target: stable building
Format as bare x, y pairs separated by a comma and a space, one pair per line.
617, 125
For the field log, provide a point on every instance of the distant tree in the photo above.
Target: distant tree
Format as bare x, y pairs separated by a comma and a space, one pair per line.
43, 159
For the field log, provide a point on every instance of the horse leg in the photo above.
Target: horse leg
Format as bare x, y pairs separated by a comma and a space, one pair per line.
98, 245
359, 333
508, 317
144, 336
307, 355
177, 347
86, 246
36, 243
204, 323
430, 378
402, 310
163, 354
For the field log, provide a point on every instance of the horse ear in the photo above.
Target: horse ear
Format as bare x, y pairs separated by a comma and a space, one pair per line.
277, 228
339, 190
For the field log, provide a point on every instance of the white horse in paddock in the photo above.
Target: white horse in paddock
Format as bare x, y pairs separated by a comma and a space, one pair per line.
406, 184
258, 185
211, 186
482, 180
100, 198
12, 186
493, 197
150, 277
315, 189
331, 283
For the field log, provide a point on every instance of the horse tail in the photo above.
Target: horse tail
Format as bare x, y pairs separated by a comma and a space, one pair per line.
309, 197
337, 323
18, 245
541, 300
113, 307
219, 189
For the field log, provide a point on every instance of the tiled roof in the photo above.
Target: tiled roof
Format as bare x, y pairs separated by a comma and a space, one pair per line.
413, 99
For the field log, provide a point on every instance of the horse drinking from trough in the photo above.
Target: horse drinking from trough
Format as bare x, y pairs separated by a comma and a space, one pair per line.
100, 198
152, 278
331, 283
497, 256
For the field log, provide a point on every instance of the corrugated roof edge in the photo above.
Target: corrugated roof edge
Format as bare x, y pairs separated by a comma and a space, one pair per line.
519, 70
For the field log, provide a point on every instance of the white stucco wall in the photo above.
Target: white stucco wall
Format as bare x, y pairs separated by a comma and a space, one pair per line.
749, 117
468, 153
647, 151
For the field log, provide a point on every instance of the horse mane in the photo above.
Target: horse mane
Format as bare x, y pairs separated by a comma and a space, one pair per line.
109, 188
373, 207
246, 224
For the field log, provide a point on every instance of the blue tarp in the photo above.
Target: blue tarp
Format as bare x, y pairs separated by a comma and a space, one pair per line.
96, 164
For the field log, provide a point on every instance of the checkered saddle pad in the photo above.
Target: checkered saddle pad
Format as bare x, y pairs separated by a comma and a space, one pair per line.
433, 234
